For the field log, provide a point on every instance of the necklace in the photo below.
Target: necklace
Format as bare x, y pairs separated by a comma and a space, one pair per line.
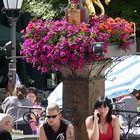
103, 126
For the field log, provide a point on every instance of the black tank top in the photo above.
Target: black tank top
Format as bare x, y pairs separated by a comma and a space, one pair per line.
60, 134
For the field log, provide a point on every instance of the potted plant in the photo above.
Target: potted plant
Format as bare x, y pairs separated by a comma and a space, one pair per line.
51, 45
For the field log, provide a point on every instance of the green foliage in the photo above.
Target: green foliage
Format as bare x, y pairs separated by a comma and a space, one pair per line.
55, 9
39, 8
127, 9
45, 9
59, 6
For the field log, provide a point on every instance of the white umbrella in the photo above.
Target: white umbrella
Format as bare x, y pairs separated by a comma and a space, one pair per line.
124, 77
56, 95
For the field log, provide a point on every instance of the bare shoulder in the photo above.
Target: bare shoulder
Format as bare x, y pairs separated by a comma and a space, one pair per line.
89, 122
114, 117
70, 126
89, 119
115, 120
70, 132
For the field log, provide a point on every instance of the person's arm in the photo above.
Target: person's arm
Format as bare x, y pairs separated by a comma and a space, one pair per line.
42, 135
116, 128
70, 133
92, 127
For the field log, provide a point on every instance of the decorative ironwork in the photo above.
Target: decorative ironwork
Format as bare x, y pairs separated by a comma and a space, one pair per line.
29, 115
131, 120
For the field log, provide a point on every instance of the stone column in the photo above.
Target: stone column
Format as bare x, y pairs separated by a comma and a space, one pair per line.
79, 95
78, 98
81, 88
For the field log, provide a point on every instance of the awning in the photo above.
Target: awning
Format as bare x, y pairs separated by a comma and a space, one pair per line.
123, 76
56, 95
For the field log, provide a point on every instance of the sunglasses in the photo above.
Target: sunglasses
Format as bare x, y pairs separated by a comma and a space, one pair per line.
53, 116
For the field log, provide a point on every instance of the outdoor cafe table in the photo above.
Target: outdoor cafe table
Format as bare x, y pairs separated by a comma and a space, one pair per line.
31, 107
25, 137
27, 120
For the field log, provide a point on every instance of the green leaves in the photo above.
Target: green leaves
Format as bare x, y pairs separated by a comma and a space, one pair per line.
39, 8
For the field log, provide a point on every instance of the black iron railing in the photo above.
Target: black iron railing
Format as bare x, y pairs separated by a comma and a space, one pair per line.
131, 120
32, 116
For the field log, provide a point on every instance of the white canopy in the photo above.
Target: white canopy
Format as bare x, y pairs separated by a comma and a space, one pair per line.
122, 78
56, 95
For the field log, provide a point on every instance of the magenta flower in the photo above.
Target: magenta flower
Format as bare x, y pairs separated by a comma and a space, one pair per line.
49, 45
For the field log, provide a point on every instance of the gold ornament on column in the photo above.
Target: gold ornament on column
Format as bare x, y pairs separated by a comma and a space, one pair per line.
89, 4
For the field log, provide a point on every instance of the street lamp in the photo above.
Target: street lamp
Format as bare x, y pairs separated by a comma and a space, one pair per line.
12, 11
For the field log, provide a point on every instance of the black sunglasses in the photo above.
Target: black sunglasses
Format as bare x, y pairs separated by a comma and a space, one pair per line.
53, 116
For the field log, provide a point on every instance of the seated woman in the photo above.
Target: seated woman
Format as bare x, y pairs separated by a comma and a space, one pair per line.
32, 96
102, 125
11, 106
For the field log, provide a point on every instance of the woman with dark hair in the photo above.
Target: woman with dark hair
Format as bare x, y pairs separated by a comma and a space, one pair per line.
32, 95
11, 105
102, 125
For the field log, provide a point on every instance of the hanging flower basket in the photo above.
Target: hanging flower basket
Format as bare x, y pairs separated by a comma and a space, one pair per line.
115, 51
50, 45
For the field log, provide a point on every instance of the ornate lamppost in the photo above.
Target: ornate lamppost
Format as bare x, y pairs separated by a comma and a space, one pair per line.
12, 10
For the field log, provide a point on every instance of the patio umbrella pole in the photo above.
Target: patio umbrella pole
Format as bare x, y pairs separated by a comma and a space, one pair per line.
12, 65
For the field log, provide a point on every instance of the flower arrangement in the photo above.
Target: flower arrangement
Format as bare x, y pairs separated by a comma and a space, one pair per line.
119, 29
50, 45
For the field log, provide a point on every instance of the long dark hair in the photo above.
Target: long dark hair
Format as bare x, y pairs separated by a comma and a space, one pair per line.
105, 102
